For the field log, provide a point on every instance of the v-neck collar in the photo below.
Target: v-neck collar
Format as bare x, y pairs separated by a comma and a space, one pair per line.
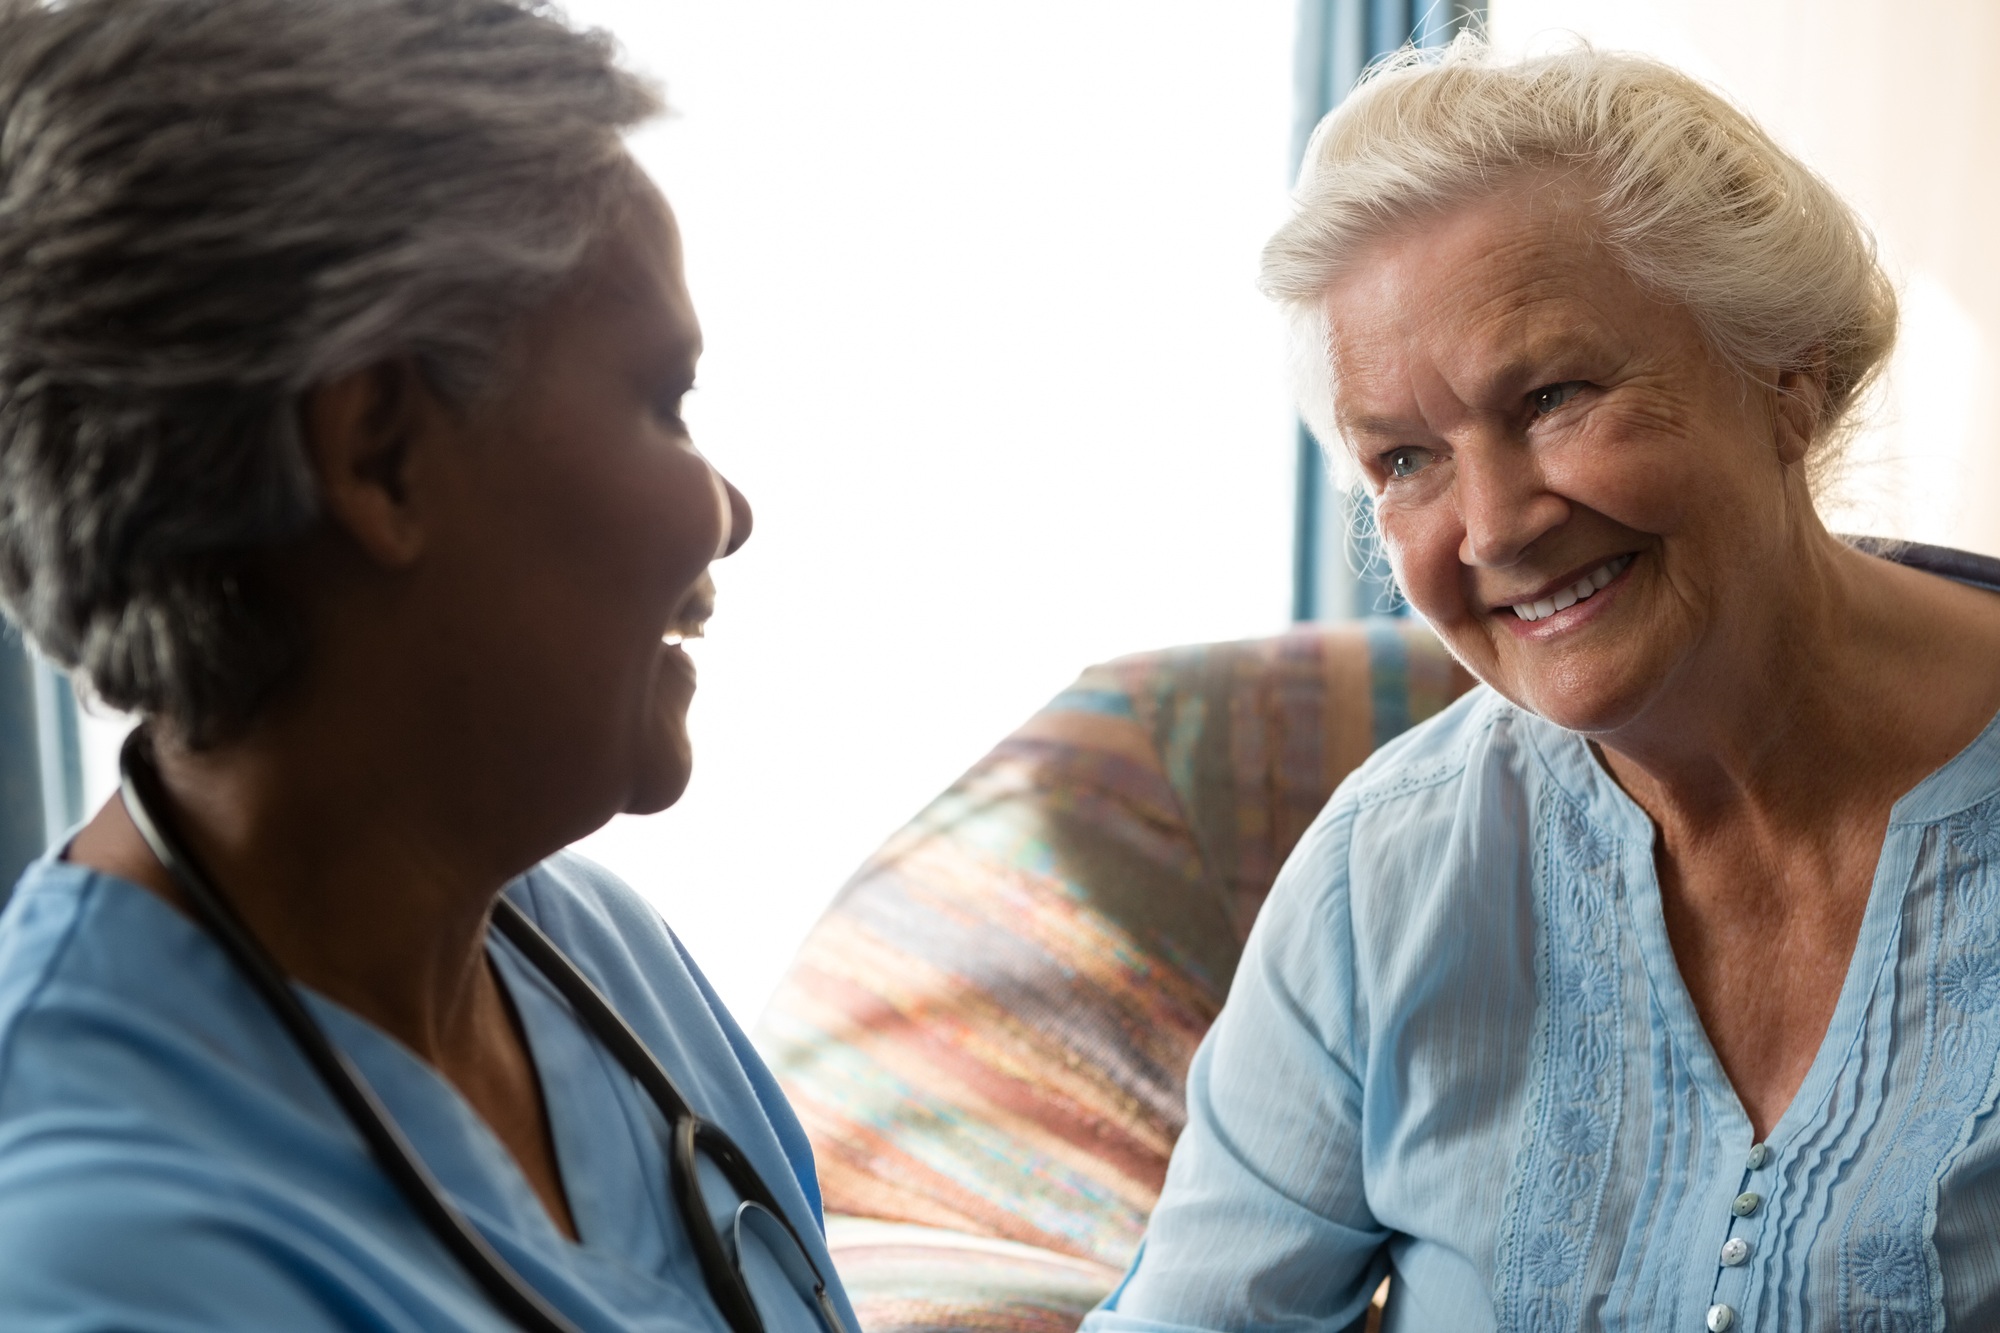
1967, 778
616, 1183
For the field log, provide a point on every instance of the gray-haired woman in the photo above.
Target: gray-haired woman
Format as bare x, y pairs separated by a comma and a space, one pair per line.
1655, 985
342, 350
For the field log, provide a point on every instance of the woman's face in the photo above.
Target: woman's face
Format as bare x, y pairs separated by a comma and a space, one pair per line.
1586, 505
580, 526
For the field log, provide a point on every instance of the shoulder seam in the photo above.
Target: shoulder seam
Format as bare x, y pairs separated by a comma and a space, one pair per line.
1405, 780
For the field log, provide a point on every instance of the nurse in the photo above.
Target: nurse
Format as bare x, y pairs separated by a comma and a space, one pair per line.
342, 353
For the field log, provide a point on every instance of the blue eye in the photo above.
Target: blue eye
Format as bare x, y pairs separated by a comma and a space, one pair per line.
1551, 396
1407, 462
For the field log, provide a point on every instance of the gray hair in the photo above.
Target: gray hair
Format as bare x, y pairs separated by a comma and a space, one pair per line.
208, 207
1697, 202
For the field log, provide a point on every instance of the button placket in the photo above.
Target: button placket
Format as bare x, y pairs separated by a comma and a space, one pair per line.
1739, 1245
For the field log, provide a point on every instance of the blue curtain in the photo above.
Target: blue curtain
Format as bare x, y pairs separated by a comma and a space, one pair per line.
1338, 570
41, 768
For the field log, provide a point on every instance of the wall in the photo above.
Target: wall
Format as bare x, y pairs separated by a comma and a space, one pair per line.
1898, 105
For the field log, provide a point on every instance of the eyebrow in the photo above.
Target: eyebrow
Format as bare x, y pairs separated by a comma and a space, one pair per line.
1372, 426
1537, 349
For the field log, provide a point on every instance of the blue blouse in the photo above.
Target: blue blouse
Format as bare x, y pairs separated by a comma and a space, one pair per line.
170, 1163
1458, 1051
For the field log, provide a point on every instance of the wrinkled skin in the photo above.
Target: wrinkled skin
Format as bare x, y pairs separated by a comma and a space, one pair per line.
1524, 414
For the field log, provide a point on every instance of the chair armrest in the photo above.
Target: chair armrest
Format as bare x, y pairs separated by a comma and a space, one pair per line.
913, 1279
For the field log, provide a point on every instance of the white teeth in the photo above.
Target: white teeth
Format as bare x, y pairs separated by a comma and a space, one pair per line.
1576, 592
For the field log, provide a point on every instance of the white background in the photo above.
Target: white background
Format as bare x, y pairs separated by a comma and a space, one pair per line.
985, 352
1897, 105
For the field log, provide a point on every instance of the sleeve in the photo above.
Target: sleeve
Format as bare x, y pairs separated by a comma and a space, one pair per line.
123, 1251
1264, 1221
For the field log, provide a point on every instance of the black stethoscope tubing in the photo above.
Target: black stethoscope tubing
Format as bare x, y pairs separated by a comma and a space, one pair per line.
520, 1302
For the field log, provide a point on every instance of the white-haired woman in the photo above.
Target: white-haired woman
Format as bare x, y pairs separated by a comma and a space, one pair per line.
342, 351
1656, 984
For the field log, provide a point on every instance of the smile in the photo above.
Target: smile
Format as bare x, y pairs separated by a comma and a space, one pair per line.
1564, 598
691, 616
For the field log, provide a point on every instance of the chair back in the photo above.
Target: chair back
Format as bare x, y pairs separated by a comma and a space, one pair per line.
990, 1029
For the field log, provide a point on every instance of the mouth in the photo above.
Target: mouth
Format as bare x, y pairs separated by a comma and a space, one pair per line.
1564, 595
690, 620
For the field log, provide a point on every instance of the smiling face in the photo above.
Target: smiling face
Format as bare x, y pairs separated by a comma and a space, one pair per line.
572, 544
1589, 507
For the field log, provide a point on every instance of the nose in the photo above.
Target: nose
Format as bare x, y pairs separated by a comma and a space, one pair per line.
736, 518
1505, 504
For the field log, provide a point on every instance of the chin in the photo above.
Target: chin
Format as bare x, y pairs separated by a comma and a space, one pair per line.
1592, 707
661, 781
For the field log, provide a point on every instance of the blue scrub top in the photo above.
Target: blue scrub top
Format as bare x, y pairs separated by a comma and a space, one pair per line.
169, 1162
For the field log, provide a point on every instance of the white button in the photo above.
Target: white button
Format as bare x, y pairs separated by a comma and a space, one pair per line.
1721, 1319
1759, 1154
1746, 1203
1735, 1250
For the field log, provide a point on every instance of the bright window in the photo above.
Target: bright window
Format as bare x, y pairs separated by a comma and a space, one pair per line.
985, 352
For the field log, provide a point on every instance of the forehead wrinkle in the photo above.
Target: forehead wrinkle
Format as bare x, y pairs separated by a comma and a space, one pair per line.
1482, 340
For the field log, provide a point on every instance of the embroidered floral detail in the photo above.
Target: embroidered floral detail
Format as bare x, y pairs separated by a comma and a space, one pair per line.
1577, 1130
1888, 1263
1887, 1266
1589, 987
1578, 1079
1970, 982
1977, 831
1592, 1048
1552, 1258
1573, 1177
1546, 1311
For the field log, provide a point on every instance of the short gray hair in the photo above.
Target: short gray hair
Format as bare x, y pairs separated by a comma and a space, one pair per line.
1698, 203
208, 207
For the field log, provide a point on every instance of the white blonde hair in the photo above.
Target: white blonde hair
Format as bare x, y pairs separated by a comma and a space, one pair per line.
1688, 193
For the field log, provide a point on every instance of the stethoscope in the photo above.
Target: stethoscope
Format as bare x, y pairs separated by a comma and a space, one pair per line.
758, 1214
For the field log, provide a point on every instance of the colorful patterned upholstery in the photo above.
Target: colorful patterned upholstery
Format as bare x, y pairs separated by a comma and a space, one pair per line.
987, 1033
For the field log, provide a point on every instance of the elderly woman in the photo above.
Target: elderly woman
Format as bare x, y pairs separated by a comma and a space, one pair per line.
1656, 984
342, 353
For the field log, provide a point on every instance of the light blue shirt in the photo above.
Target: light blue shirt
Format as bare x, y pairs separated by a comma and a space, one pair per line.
1458, 1050
170, 1163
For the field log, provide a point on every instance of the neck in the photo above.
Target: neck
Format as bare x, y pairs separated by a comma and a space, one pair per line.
1818, 702
341, 864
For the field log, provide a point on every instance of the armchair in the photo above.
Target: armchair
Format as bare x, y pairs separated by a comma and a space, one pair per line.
987, 1034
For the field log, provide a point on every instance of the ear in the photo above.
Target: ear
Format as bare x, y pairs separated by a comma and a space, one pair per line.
1800, 407
362, 434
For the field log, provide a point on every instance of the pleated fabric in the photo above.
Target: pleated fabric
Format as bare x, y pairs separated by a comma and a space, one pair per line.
1458, 1051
